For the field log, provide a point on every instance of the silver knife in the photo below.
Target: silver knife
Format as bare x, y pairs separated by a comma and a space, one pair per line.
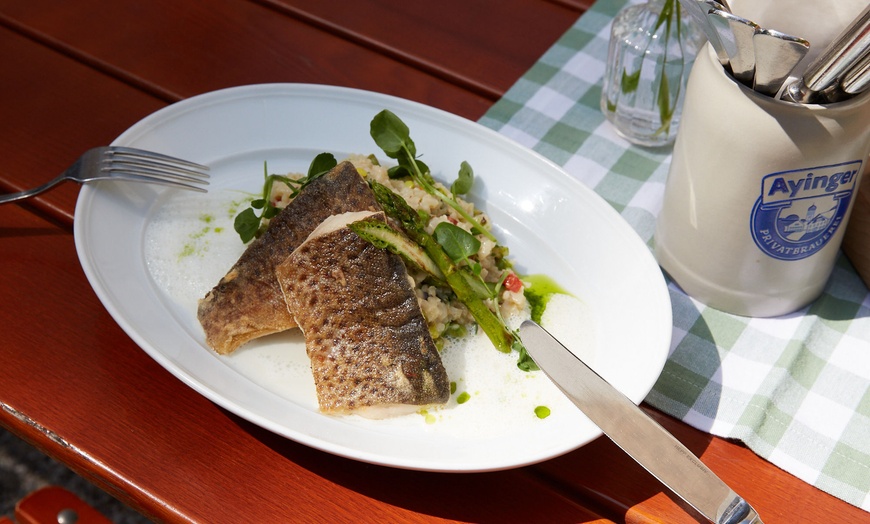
776, 55
736, 35
698, 12
636, 433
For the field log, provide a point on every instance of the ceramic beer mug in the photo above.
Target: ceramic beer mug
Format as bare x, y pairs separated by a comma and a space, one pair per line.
758, 194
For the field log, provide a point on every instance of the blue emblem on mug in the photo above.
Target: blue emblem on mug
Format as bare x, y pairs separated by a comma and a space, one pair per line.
799, 211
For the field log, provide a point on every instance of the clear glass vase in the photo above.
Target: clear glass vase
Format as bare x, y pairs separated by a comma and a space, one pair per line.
652, 47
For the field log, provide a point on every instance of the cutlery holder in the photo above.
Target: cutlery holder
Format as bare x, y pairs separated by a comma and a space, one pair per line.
758, 194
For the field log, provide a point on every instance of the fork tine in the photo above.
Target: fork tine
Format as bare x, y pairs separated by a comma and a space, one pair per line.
146, 171
155, 168
160, 180
128, 163
130, 152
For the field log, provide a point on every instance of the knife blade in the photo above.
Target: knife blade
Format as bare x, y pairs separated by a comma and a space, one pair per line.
698, 12
776, 56
636, 433
736, 35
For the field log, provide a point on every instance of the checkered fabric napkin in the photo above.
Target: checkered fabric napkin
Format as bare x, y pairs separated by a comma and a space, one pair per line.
794, 388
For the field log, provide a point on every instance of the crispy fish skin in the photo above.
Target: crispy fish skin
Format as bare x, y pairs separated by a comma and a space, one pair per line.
247, 303
370, 348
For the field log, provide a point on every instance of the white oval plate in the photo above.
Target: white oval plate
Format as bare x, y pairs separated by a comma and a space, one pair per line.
552, 224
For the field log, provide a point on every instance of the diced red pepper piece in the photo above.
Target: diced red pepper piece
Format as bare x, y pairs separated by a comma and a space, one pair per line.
513, 283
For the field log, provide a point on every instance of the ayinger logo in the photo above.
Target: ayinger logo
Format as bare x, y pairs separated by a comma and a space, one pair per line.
799, 211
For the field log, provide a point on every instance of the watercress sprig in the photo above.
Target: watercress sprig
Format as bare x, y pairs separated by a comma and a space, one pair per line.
458, 243
249, 225
394, 138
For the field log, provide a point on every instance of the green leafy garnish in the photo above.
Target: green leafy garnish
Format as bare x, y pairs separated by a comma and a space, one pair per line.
458, 243
249, 225
464, 181
322, 164
524, 361
393, 136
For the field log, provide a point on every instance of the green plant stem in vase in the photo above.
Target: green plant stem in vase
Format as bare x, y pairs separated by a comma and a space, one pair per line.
652, 47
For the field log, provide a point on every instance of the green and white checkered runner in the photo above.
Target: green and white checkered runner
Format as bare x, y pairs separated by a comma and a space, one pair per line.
794, 389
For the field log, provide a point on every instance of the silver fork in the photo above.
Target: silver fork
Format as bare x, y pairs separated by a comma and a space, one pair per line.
126, 163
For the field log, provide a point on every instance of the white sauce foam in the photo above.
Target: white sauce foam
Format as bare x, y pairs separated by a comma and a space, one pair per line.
190, 244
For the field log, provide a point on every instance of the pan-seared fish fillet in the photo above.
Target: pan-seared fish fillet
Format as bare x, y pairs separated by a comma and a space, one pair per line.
370, 348
247, 303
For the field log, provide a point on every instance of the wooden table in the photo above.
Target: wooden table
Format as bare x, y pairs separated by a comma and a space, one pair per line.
75, 75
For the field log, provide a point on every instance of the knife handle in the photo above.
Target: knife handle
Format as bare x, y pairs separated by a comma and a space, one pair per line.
857, 80
826, 70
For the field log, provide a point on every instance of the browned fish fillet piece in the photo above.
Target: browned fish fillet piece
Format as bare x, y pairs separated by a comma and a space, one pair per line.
247, 303
370, 348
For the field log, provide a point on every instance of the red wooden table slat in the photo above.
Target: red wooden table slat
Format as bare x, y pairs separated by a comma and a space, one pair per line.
48, 124
461, 41
578, 5
186, 48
